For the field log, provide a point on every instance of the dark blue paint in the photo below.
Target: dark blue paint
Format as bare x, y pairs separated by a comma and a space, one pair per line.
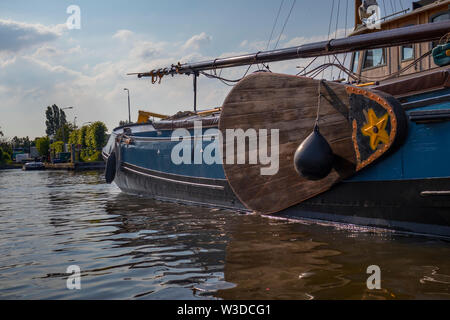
156, 155
425, 154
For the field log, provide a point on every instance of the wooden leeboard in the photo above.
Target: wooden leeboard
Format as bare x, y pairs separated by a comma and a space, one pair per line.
289, 104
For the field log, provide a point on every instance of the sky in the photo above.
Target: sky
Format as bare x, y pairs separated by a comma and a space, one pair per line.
43, 62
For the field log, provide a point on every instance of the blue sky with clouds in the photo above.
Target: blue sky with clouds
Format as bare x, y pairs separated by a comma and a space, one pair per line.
42, 62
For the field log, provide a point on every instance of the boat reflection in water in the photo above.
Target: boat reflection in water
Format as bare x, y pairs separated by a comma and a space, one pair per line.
136, 248
218, 254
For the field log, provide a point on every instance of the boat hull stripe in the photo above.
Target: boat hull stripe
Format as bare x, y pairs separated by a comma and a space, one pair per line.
154, 175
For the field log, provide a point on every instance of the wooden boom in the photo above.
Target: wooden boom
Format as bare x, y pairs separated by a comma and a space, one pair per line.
380, 39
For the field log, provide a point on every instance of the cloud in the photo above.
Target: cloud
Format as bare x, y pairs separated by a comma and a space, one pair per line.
123, 35
91, 78
145, 50
197, 41
50, 52
46, 51
298, 41
15, 36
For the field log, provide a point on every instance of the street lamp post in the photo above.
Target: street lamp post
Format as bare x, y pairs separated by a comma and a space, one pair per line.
129, 112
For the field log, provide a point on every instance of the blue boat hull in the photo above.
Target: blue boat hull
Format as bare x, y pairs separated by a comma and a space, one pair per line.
407, 191
418, 206
176, 188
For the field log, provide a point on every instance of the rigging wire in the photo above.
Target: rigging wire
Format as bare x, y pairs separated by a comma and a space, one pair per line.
337, 18
329, 26
320, 69
305, 68
275, 24
336, 29
328, 36
229, 81
345, 35
285, 23
392, 7
384, 6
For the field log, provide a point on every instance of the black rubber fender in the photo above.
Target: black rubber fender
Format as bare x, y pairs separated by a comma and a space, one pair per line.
314, 157
110, 170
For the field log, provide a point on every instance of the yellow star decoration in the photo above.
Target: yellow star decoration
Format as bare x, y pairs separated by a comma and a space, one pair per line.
376, 129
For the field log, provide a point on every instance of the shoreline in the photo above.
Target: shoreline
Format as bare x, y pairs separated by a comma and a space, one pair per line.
10, 167
79, 166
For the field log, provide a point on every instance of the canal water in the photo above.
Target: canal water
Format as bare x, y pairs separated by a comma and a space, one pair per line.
134, 248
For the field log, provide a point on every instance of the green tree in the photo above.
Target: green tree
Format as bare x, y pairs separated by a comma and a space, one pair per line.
42, 145
82, 136
57, 146
68, 128
6, 146
4, 157
55, 118
23, 143
124, 123
96, 137
73, 137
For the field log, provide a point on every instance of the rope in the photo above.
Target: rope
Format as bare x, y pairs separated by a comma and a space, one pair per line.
274, 25
329, 32
318, 105
345, 35
336, 29
224, 80
304, 69
395, 74
321, 69
285, 23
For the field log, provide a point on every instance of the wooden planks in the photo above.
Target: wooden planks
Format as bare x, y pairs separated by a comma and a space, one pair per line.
289, 104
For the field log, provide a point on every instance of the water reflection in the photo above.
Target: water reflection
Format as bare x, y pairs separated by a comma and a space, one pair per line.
134, 248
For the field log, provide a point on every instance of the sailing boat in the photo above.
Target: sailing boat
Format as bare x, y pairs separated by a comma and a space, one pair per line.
371, 151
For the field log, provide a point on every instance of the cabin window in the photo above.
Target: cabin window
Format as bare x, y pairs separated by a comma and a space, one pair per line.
374, 58
437, 18
407, 52
355, 63
441, 17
